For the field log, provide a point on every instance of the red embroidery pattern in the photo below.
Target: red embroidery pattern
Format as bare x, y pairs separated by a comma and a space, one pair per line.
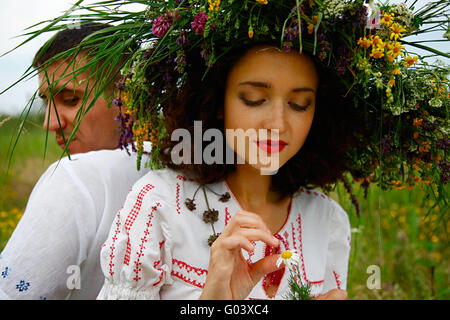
299, 220
314, 193
283, 241
160, 277
178, 199
227, 216
113, 247
338, 281
144, 239
183, 265
132, 217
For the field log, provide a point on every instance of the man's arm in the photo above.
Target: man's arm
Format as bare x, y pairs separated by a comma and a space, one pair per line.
52, 237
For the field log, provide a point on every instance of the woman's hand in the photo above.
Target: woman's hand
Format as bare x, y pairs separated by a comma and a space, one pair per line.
335, 294
230, 276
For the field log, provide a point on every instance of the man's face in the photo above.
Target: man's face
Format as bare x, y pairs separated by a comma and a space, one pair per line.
97, 130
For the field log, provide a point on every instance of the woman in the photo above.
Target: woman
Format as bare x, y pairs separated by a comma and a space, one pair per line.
326, 86
158, 245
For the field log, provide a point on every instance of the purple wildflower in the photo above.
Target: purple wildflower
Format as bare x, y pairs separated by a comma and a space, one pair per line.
161, 25
181, 40
117, 102
199, 23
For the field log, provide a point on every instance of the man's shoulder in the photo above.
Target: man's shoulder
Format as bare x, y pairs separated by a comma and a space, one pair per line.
100, 165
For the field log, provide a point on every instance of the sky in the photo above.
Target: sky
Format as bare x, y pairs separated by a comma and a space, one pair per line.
15, 17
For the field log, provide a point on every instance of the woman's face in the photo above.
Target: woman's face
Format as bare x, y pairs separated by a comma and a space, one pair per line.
268, 92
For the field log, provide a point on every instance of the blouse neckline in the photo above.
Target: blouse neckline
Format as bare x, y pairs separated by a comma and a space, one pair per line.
225, 184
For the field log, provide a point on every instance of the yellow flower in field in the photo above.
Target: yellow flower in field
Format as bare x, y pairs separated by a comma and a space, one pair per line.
387, 20
365, 42
311, 25
391, 83
214, 5
396, 31
377, 53
262, 1
434, 239
250, 32
417, 122
396, 71
394, 49
409, 61
378, 42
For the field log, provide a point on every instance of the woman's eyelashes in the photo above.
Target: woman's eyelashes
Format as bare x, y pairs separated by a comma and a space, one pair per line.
298, 107
257, 102
251, 102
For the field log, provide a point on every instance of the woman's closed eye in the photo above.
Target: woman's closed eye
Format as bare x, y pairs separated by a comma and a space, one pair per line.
251, 102
299, 107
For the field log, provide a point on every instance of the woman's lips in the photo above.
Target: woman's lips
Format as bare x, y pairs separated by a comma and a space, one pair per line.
271, 146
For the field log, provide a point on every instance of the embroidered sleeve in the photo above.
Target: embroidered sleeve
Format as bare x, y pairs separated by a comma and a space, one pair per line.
135, 258
338, 251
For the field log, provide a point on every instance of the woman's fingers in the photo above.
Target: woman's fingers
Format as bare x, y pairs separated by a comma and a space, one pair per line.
243, 237
246, 219
264, 266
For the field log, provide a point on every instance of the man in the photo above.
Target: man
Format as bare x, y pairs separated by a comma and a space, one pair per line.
64, 93
54, 250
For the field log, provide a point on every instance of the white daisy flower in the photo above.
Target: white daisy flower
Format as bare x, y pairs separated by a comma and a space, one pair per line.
289, 257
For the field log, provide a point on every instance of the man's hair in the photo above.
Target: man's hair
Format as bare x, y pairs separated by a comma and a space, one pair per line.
65, 40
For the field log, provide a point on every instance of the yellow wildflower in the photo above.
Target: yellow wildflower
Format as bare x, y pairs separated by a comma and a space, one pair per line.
377, 42
214, 5
262, 1
365, 42
425, 147
397, 30
377, 53
396, 71
409, 61
394, 49
311, 25
250, 32
417, 122
387, 20
391, 82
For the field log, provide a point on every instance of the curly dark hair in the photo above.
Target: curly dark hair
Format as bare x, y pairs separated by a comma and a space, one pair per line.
320, 162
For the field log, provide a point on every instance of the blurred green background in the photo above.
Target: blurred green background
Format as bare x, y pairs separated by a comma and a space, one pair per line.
396, 230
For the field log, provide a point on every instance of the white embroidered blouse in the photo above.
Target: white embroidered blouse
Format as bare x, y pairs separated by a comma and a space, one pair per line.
158, 248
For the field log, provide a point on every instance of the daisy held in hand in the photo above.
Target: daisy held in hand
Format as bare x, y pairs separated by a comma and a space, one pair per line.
298, 289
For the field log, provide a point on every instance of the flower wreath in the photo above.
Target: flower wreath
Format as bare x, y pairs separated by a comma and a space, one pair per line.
363, 42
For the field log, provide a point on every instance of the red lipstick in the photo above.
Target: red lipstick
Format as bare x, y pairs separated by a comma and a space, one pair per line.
271, 146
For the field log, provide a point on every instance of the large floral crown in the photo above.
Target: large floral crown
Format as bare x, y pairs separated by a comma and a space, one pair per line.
363, 42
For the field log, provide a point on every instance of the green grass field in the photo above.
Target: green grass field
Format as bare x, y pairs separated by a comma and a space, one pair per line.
396, 231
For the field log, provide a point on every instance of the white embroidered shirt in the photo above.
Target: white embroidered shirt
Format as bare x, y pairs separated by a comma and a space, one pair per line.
158, 249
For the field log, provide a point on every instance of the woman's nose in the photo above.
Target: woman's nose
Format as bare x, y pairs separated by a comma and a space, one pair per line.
277, 117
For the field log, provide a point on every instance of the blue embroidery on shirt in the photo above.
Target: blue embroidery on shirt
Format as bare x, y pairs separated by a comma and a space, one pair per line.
6, 272
22, 286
